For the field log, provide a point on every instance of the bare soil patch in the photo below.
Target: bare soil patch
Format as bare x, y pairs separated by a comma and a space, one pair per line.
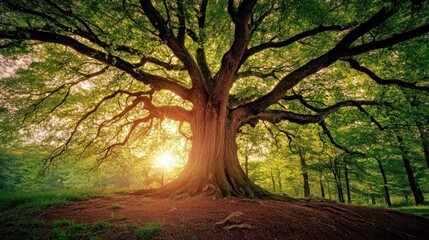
197, 218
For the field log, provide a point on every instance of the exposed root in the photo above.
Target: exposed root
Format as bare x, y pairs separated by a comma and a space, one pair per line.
229, 217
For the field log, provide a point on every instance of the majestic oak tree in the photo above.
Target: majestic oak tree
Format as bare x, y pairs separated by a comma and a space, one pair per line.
216, 65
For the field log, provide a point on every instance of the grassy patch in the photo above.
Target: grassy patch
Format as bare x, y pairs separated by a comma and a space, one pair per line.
101, 226
420, 210
18, 212
149, 230
113, 207
10, 200
115, 218
68, 229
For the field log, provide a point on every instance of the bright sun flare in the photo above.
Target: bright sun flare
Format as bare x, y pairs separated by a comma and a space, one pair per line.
165, 160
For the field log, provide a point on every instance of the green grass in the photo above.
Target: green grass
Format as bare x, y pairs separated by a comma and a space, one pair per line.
114, 217
419, 210
18, 211
113, 207
149, 230
101, 226
68, 229
9, 200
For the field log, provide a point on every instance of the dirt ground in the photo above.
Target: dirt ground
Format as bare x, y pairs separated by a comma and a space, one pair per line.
197, 218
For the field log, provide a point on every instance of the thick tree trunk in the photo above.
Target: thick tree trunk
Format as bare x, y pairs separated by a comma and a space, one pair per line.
304, 172
213, 167
418, 197
386, 188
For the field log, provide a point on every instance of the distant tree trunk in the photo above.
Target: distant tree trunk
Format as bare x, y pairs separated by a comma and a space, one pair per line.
386, 188
273, 180
420, 193
279, 180
304, 172
340, 190
346, 175
246, 165
329, 190
420, 126
425, 140
418, 196
322, 189
162, 177
337, 178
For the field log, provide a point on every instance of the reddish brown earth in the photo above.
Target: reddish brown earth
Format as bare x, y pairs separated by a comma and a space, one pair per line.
196, 218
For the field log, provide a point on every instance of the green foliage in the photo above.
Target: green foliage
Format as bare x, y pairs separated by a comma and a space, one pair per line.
149, 230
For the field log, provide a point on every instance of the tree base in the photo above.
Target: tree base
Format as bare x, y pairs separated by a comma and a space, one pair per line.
178, 190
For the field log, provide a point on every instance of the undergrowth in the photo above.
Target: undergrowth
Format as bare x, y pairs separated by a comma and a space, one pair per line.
149, 230
19, 210
420, 210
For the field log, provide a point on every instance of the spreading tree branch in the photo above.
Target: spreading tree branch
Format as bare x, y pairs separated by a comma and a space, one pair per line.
166, 65
275, 116
331, 139
172, 112
304, 102
340, 50
134, 124
256, 23
271, 44
200, 54
66, 86
182, 22
355, 65
231, 59
167, 35
395, 39
251, 73
138, 74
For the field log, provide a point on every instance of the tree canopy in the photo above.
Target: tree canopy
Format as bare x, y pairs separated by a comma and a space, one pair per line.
104, 74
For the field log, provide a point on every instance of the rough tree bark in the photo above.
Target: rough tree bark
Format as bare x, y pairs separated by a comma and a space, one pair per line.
213, 167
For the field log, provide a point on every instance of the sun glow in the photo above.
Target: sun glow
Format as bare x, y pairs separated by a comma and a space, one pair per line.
166, 160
